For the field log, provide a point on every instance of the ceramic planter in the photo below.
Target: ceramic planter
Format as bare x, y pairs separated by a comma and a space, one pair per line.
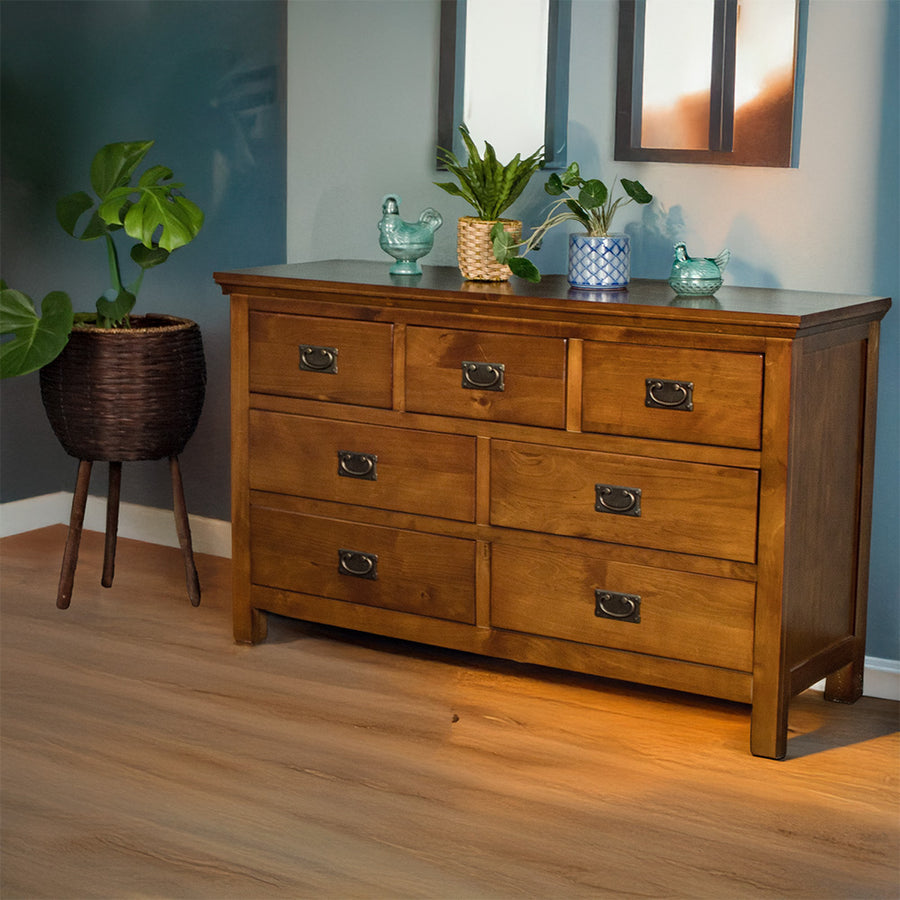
599, 263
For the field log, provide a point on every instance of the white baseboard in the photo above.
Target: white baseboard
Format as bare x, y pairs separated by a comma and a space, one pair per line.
213, 536
141, 523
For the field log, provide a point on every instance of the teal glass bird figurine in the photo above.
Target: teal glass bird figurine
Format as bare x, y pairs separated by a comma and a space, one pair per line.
697, 276
407, 242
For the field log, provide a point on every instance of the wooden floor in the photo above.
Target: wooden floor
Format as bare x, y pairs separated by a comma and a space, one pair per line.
144, 754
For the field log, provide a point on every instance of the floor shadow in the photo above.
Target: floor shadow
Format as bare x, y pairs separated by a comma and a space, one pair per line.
816, 725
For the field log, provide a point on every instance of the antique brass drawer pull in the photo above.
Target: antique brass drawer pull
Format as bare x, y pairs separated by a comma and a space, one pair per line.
664, 394
357, 564
610, 605
620, 501
357, 465
482, 376
318, 359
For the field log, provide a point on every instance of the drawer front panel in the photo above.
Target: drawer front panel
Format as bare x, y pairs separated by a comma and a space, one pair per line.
321, 359
481, 375
384, 567
682, 507
672, 393
698, 618
367, 465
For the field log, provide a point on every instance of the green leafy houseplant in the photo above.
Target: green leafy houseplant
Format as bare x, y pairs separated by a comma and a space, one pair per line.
148, 208
593, 206
488, 185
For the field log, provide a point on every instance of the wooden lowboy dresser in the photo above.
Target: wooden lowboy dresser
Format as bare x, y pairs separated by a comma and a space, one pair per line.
669, 492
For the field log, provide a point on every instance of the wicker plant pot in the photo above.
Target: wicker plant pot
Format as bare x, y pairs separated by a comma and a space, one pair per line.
127, 394
475, 251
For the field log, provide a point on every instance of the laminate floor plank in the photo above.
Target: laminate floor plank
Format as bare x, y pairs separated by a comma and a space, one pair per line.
145, 755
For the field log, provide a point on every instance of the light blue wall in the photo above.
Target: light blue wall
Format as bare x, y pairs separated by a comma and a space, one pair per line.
205, 79
831, 224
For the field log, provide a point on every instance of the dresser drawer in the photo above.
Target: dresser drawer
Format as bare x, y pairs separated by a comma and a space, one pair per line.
367, 465
679, 506
401, 570
698, 618
321, 359
672, 393
482, 375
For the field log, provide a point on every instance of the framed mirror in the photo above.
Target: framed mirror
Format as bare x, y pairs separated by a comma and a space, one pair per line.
710, 81
518, 98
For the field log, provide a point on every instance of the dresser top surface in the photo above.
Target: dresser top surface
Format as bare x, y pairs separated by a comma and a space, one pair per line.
646, 299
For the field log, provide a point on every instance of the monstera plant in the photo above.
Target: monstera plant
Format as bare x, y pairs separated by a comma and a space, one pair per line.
115, 386
148, 209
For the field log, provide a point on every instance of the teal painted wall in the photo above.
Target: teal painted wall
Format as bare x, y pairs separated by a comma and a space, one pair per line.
205, 79
831, 224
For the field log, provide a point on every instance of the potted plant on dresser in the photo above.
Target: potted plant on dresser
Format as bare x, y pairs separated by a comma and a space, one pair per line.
491, 188
598, 259
115, 386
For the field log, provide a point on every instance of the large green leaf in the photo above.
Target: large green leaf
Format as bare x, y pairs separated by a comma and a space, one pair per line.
70, 209
159, 217
37, 340
593, 195
572, 176
524, 268
114, 306
503, 243
148, 258
114, 164
636, 191
554, 186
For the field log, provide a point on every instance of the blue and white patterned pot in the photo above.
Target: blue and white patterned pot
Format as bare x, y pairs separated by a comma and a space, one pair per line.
599, 262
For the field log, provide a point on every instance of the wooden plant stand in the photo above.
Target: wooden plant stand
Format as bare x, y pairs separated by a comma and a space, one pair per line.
76, 523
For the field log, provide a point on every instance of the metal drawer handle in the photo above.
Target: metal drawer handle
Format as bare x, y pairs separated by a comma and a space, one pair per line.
482, 376
357, 465
358, 564
665, 394
620, 501
318, 359
610, 605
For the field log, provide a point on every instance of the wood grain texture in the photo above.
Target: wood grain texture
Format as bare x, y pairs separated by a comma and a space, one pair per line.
727, 391
280, 461
363, 367
682, 615
683, 506
534, 391
708, 507
144, 754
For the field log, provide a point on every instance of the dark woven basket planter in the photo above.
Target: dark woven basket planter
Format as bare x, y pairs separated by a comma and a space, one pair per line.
127, 394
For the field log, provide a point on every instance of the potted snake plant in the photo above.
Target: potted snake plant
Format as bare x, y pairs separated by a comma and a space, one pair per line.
115, 386
598, 259
490, 187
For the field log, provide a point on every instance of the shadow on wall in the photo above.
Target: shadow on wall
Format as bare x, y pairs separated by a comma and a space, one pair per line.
653, 240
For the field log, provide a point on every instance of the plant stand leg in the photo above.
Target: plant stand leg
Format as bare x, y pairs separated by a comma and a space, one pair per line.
184, 532
112, 523
73, 538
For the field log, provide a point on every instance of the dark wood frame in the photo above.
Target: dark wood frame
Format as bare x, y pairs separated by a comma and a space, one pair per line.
556, 109
721, 120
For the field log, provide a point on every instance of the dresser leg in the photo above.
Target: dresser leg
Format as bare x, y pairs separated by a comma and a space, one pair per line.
768, 727
250, 625
846, 685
